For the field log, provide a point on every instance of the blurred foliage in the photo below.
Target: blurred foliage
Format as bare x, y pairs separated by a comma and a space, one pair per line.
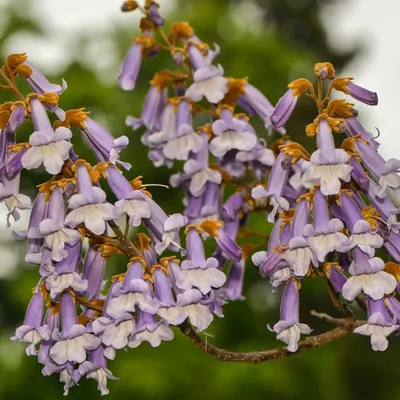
281, 43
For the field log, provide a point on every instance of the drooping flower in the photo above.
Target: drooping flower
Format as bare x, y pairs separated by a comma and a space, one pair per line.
368, 276
89, 205
380, 325
197, 271
328, 165
72, 343
230, 134
33, 331
288, 101
289, 328
48, 147
326, 234
53, 230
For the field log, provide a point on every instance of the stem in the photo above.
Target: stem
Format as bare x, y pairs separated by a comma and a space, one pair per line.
88, 304
345, 326
11, 85
164, 37
128, 247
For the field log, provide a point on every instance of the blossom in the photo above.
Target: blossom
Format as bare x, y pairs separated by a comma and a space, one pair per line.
328, 165
89, 205
32, 331
74, 341
197, 271
230, 134
379, 325
274, 189
96, 368
210, 83
148, 329
289, 328
53, 230
48, 147
325, 236
185, 139
367, 276
288, 101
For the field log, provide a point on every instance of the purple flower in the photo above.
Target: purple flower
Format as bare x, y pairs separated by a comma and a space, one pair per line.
230, 134
131, 202
210, 83
32, 331
148, 329
360, 229
224, 241
346, 86
103, 144
328, 165
168, 309
134, 292
39, 83
289, 328
93, 272
368, 276
199, 315
380, 325
89, 205
197, 271
74, 341
65, 275
9, 193
53, 230
154, 14
253, 101
170, 238
276, 181
288, 101
325, 236
232, 290
299, 255
185, 139
96, 368
48, 147
131, 66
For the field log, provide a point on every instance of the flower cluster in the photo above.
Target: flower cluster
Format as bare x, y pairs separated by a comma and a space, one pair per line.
331, 211
341, 215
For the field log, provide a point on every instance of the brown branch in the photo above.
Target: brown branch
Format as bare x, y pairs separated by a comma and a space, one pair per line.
127, 246
345, 326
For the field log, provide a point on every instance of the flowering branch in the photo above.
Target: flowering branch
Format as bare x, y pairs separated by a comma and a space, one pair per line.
330, 211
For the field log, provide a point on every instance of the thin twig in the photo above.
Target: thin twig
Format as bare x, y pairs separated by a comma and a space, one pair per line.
128, 247
254, 357
11, 85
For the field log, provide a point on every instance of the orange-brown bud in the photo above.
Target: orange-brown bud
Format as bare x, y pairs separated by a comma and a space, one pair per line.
129, 5
211, 227
77, 117
24, 70
300, 86
324, 70
181, 30
13, 60
340, 84
50, 99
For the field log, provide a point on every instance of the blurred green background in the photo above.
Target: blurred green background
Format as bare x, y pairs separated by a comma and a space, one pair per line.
271, 42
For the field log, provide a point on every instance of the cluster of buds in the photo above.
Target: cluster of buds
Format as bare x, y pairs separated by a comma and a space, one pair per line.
330, 210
